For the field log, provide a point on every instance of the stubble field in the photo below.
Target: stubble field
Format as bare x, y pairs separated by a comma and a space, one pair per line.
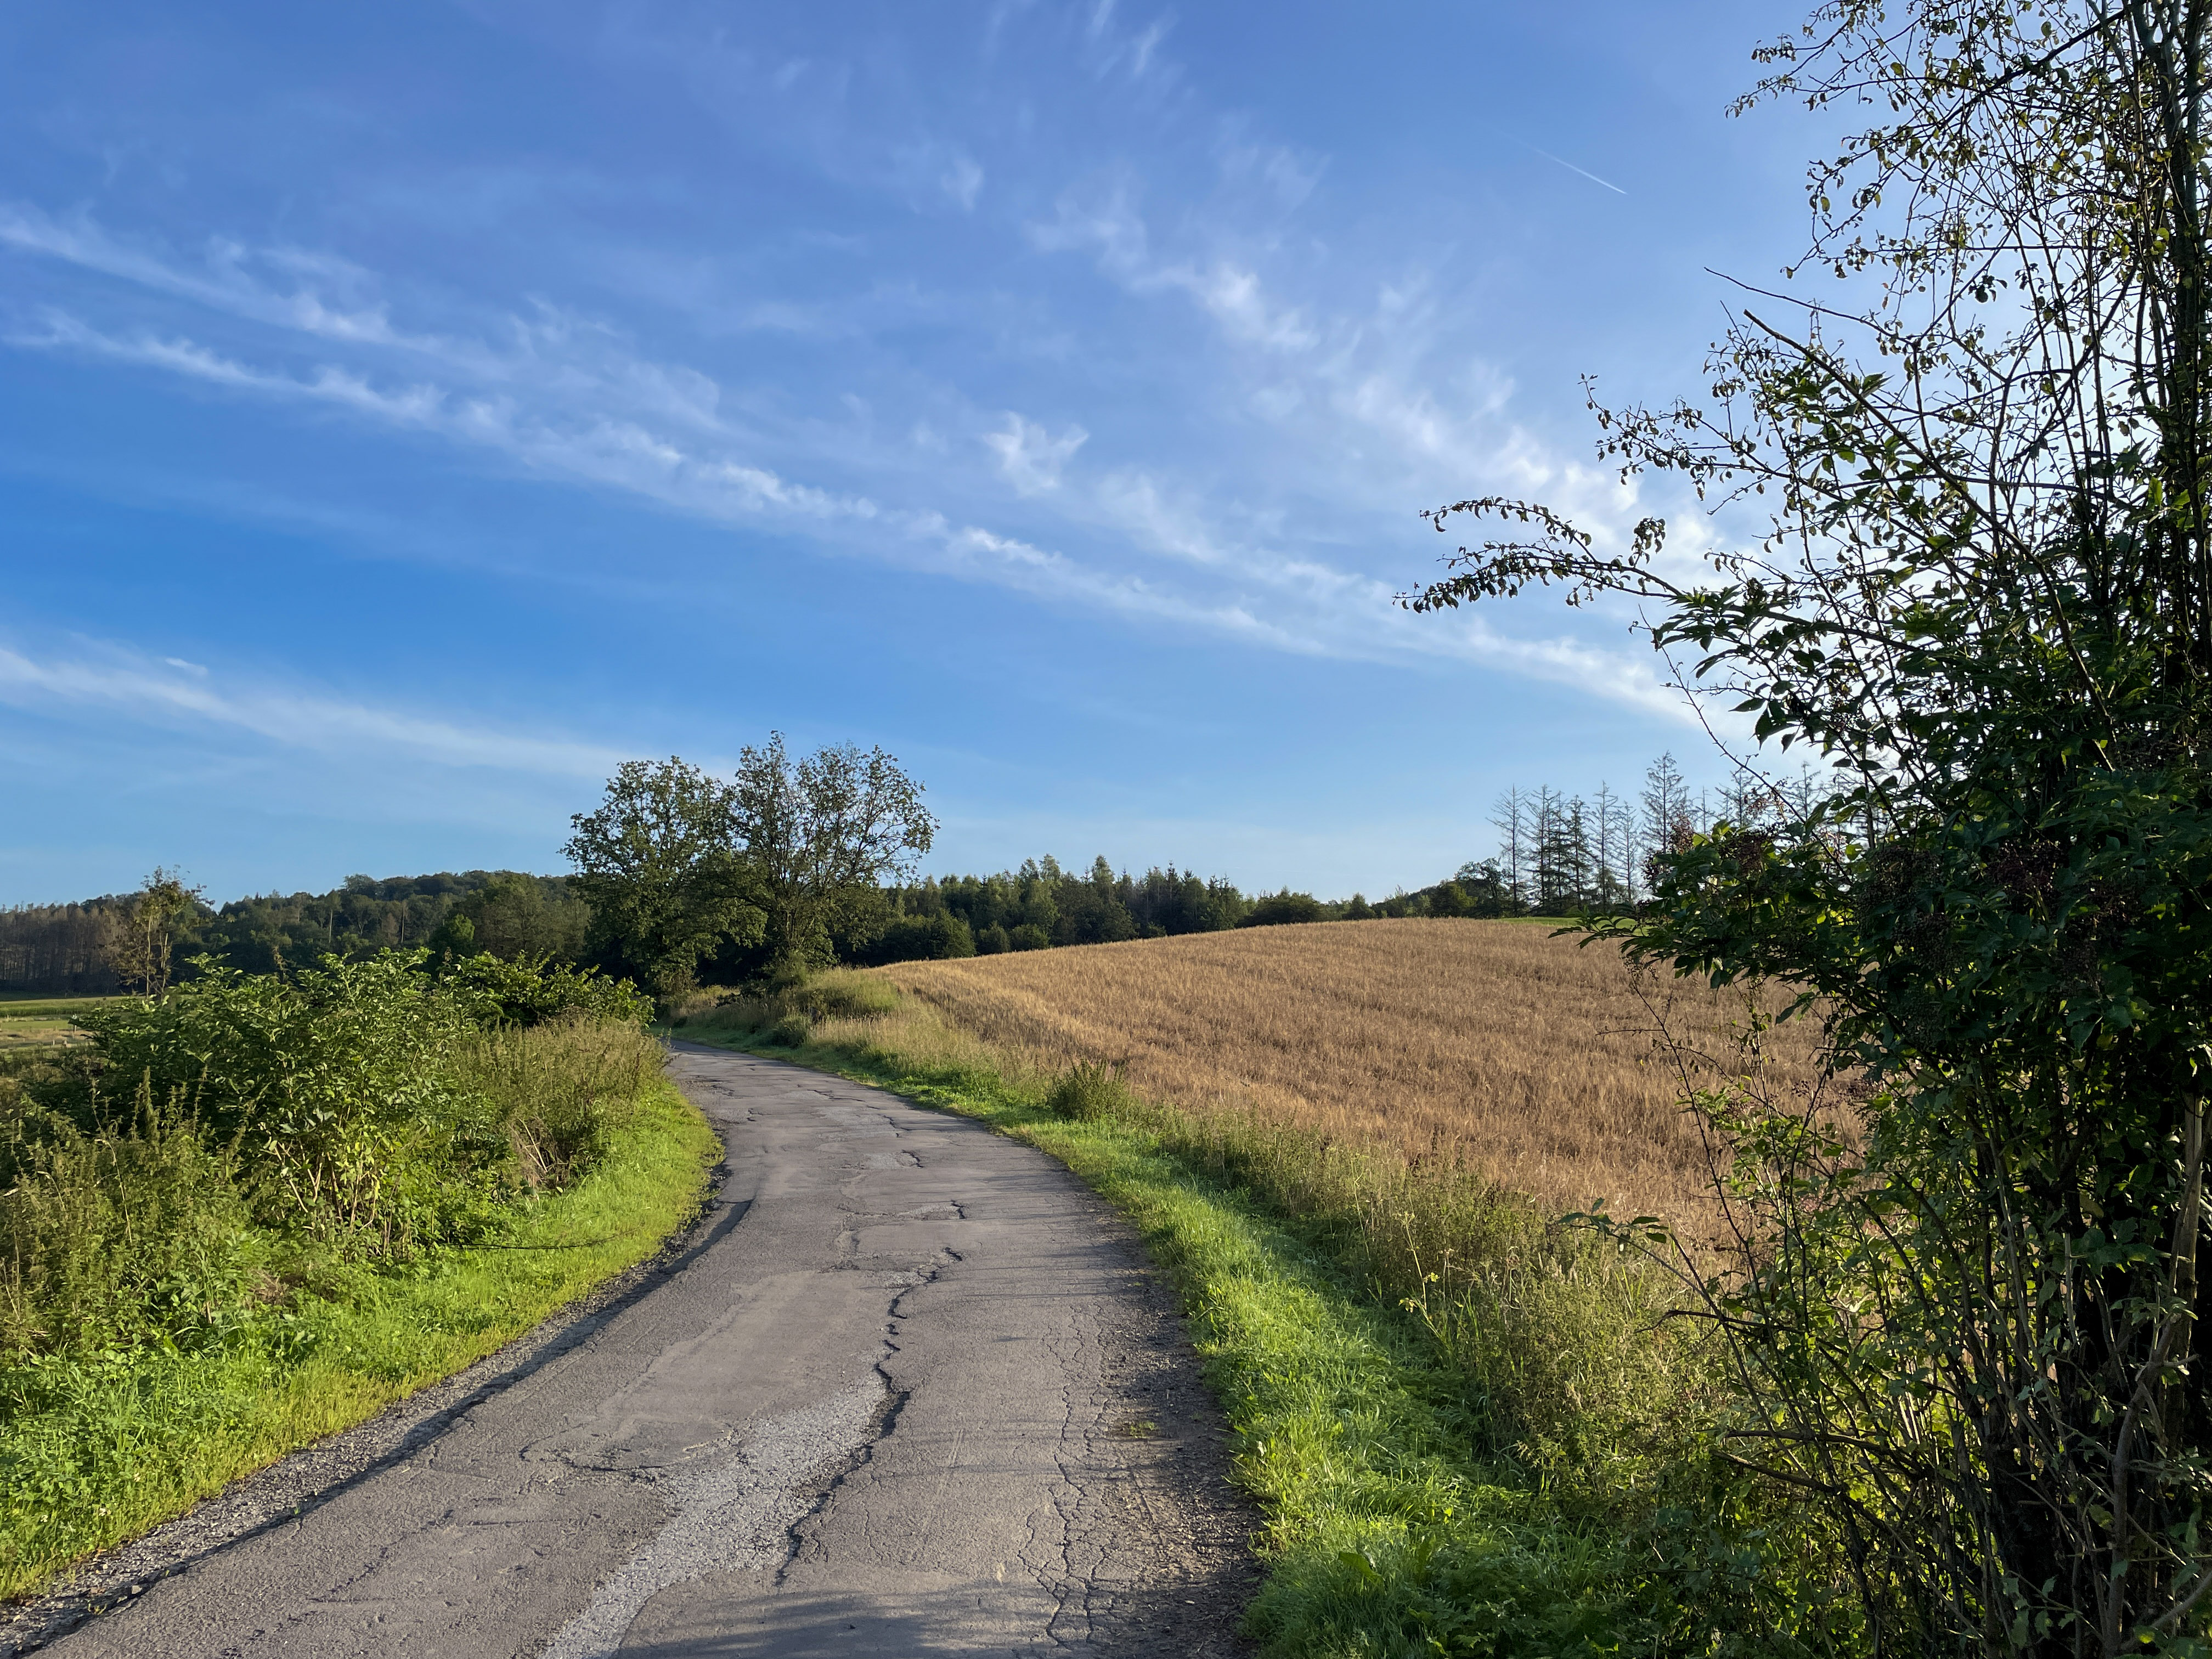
1491, 1046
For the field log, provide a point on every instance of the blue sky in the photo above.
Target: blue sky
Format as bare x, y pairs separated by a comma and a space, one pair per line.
407, 412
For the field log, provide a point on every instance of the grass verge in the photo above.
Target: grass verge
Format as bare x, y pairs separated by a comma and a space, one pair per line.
1495, 1468
97, 1449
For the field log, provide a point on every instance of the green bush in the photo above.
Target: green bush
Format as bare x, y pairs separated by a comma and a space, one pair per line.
843, 994
335, 1087
1029, 936
784, 1010
530, 991
938, 936
1087, 1091
1278, 909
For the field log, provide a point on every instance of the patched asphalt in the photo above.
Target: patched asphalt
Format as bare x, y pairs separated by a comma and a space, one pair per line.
907, 1389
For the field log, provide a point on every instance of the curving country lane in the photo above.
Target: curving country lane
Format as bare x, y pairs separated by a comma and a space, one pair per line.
908, 1389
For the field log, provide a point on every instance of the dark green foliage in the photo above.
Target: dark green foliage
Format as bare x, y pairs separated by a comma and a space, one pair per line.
73, 949
658, 861
1041, 904
790, 1030
516, 917
270, 934
531, 991
1285, 908
934, 936
819, 836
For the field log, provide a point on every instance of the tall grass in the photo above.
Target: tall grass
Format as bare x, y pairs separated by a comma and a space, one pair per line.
562, 1090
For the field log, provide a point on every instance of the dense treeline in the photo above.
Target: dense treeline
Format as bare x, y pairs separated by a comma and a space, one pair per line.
1555, 854
698, 879
87, 948
1043, 904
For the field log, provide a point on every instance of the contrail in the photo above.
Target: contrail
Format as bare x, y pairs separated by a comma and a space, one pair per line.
1571, 168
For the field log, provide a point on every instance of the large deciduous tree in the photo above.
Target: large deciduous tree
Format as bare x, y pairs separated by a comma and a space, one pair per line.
659, 863
1969, 1325
821, 836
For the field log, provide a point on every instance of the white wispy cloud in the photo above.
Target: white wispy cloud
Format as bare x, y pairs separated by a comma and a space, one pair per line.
562, 397
1231, 292
116, 681
1030, 457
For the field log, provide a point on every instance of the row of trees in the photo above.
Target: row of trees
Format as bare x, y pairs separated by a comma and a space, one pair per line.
136, 941
790, 864
1559, 855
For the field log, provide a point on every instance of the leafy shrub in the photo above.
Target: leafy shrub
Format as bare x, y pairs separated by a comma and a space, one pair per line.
992, 940
843, 994
939, 936
530, 991
791, 1032
335, 1085
1279, 909
1029, 936
1087, 1091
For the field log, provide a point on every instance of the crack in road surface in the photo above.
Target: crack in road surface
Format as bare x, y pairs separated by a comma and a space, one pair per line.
876, 1404
738, 1514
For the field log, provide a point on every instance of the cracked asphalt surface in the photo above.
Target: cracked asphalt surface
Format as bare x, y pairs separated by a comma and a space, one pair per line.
909, 1388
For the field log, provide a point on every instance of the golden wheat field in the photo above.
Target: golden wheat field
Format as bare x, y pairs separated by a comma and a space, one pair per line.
1491, 1045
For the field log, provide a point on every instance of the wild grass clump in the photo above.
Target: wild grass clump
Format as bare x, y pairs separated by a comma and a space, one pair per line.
122, 1235
562, 1090
786, 1015
1088, 1091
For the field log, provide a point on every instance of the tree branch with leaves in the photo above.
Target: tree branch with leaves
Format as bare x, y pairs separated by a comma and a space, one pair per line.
1978, 583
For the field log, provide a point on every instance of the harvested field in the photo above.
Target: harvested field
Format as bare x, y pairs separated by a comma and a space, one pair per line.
1488, 1045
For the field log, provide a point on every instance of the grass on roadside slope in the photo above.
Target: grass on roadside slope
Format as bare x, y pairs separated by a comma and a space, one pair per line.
1503, 1476
97, 1449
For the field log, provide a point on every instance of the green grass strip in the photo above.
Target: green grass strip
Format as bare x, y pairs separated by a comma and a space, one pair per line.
1387, 1532
96, 1451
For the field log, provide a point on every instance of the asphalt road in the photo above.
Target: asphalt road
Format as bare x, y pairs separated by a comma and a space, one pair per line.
908, 1389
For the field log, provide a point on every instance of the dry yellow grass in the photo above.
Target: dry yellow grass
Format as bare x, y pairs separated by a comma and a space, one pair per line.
1487, 1045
